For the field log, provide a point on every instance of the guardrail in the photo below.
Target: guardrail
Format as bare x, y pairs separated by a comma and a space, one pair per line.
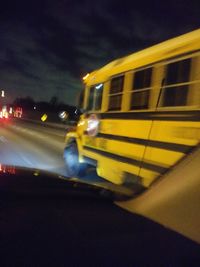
52, 119
48, 124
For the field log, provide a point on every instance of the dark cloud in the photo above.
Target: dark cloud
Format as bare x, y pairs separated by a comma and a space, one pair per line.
47, 46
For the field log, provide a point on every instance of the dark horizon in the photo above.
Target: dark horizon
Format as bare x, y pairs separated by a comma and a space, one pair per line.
47, 47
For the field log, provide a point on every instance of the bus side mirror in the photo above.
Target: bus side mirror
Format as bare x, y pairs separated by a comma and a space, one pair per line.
82, 110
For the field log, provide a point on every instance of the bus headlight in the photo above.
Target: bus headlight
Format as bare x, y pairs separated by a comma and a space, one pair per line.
93, 125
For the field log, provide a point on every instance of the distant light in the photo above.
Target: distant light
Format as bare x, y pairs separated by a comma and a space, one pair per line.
34, 107
99, 86
18, 112
86, 76
11, 110
44, 117
2, 93
63, 115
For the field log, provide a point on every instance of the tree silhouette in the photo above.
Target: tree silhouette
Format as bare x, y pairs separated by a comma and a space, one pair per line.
27, 103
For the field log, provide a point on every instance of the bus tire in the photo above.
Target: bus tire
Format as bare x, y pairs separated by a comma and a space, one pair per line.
73, 166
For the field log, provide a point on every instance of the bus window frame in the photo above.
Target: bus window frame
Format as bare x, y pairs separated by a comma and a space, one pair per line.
194, 92
138, 90
116, 94
94, 98
188, 83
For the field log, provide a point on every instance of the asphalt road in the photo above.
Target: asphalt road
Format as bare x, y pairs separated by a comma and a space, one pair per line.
31, 145
24, 144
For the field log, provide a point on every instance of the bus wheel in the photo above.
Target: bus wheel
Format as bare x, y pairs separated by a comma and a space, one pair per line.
73, 166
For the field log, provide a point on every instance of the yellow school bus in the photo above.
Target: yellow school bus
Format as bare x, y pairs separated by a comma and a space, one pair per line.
141, 114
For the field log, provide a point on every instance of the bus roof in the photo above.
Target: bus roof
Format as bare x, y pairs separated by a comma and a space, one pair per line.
171, 48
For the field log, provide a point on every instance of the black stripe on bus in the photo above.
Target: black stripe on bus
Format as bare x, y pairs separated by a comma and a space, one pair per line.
157, 144
146, 165
156, 115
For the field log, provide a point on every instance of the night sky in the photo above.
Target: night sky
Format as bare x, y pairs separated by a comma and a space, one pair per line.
46, 47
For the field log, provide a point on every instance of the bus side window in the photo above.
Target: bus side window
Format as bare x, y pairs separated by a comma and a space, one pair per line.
141, 89
115, 94
90, 103
95, 97
175, 89
98, 96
